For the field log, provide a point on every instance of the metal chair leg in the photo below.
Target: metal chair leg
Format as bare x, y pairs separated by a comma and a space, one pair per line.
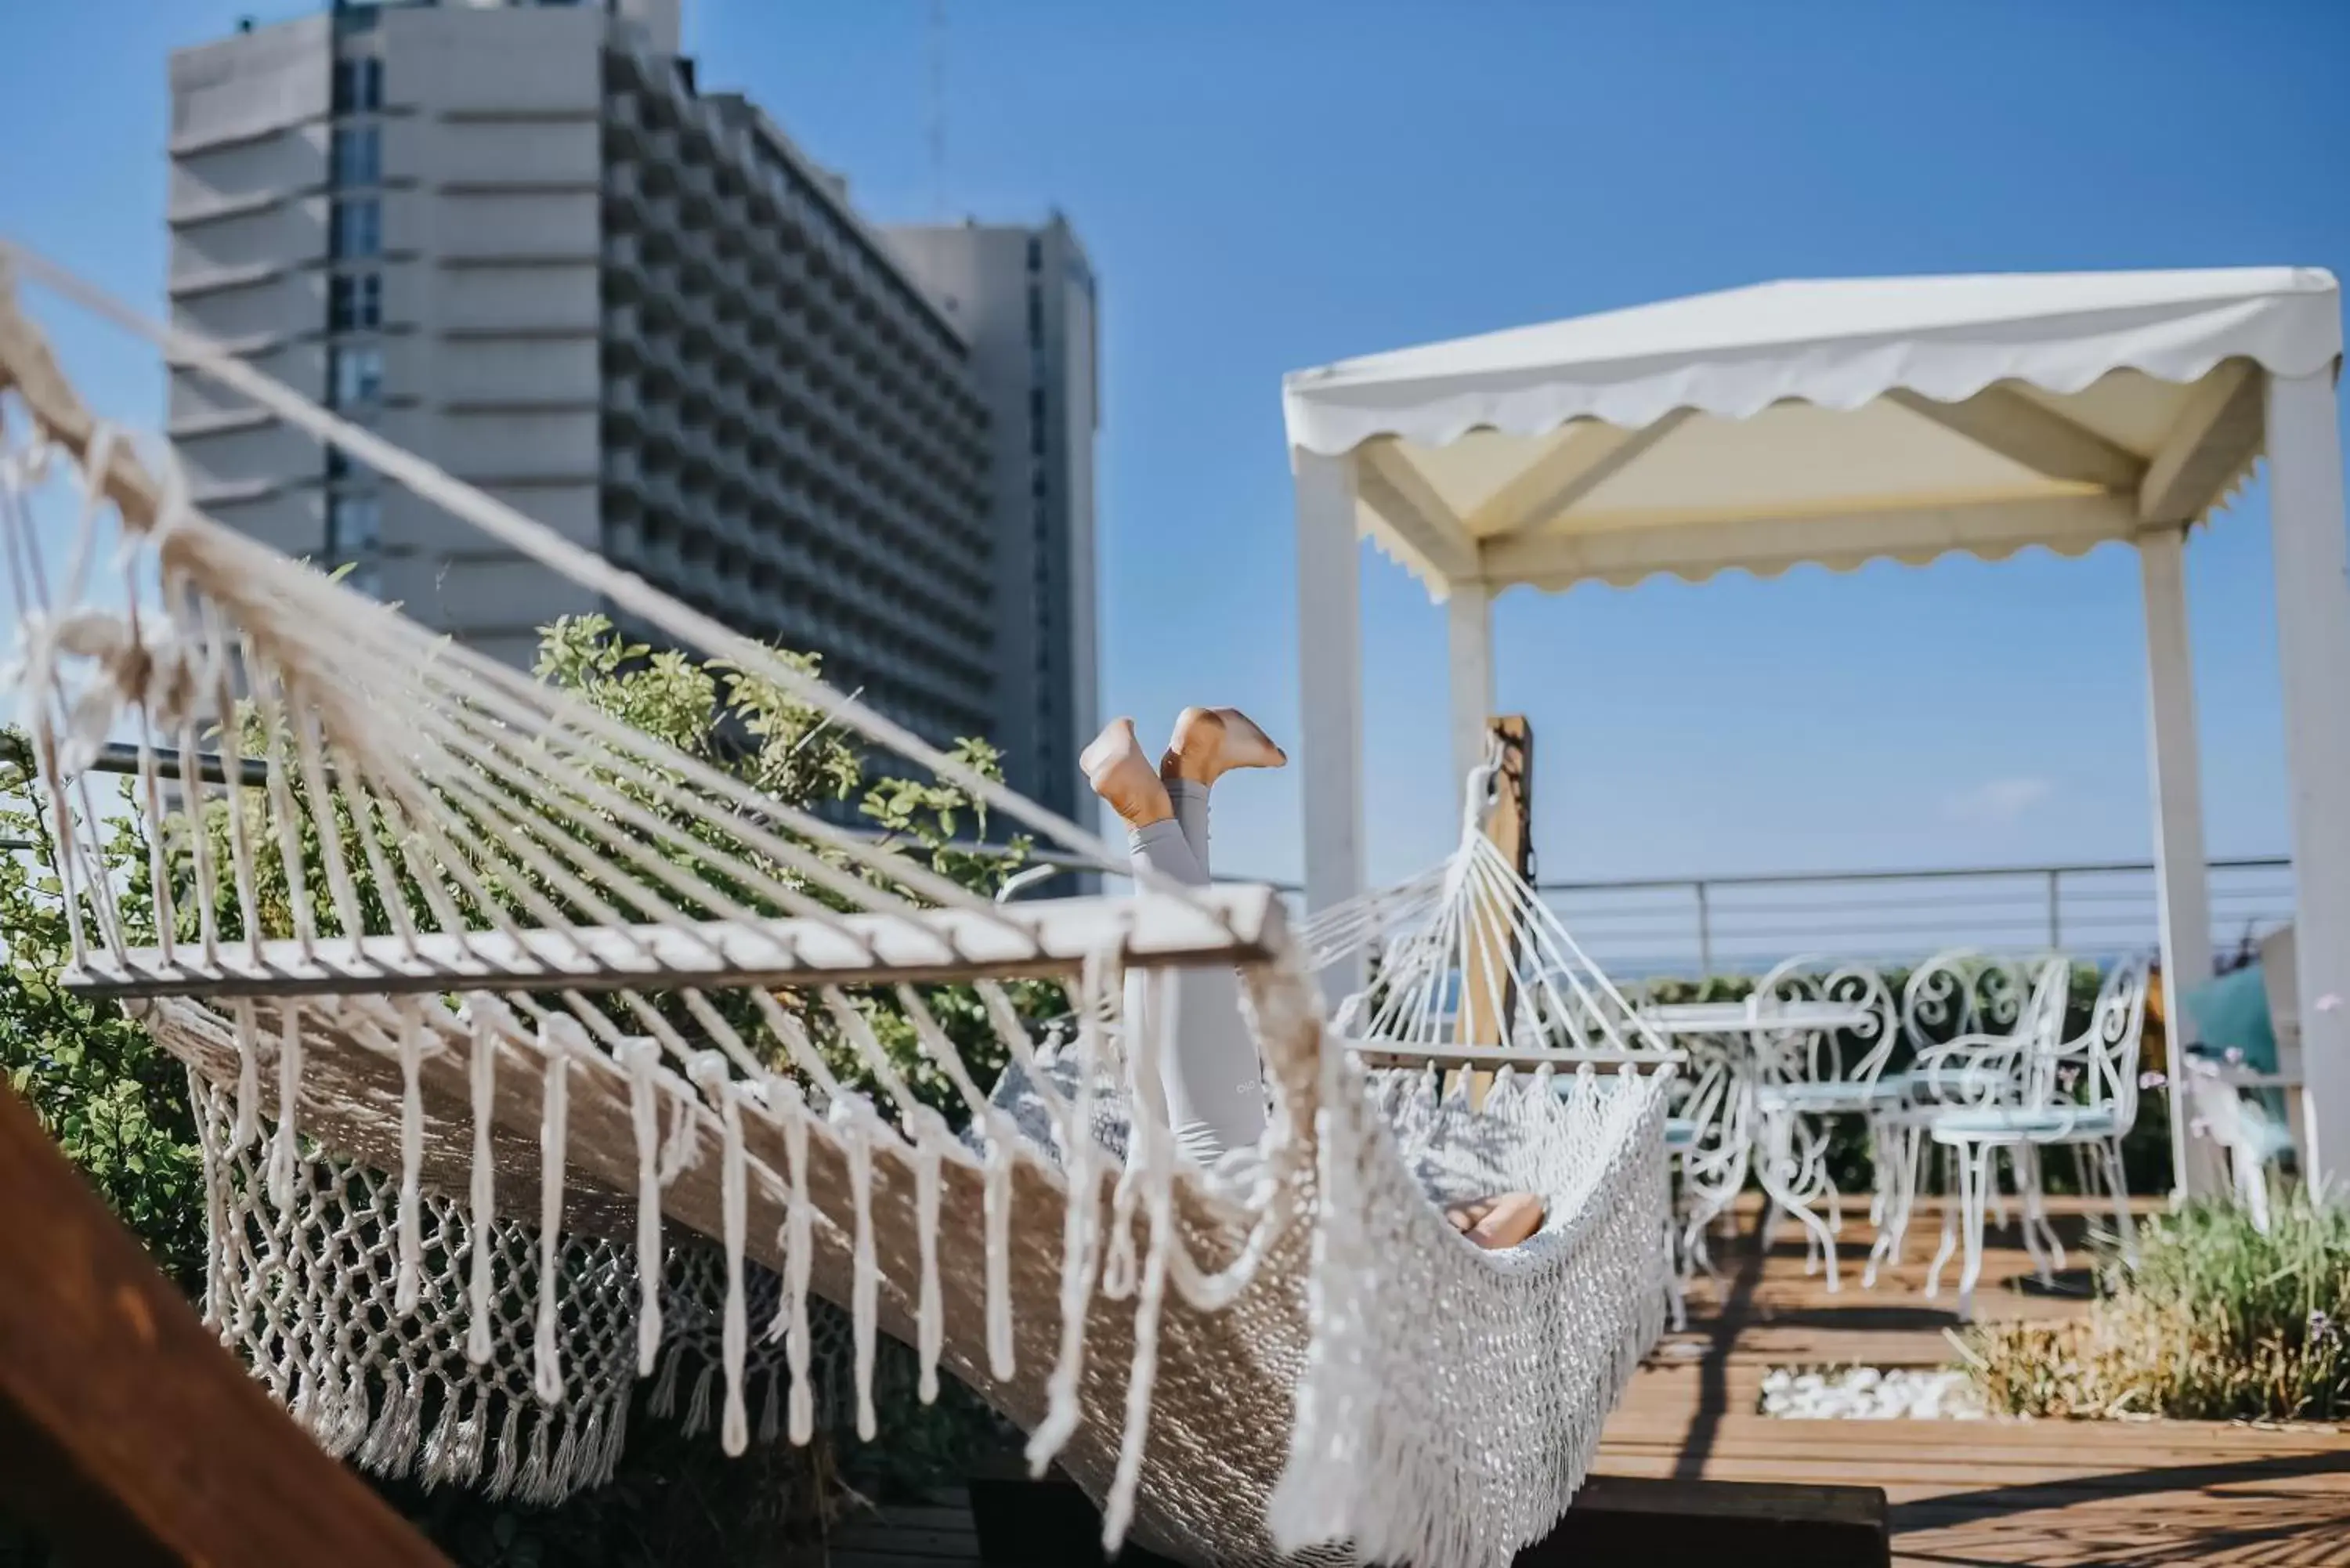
1975, 1165
1952, 1193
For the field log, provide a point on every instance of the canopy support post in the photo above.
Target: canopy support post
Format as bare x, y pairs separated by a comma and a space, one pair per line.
1330, 692
2181, 867
1468, 638
2306, 528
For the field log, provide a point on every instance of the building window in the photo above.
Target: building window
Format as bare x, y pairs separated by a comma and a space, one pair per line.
355, 228
354, 301
354, 526
1035, 254
1036, 317
357, 152
354, 378
358, 86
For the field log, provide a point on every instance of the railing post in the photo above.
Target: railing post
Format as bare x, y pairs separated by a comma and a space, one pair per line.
1704, 933
2055, 910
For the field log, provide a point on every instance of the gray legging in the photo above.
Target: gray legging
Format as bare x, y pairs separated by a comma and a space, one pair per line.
1213, 1077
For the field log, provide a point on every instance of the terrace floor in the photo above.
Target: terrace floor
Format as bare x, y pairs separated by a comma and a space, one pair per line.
1965, 1494
2048, 1493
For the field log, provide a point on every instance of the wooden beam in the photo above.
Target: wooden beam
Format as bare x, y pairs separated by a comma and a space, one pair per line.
1420, 522
1584, 456
2214, 436
2001, 420
1220, 925
1489, 950
132, 1437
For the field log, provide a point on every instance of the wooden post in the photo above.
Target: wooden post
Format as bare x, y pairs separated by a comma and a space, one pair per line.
132, 1438
1488, 994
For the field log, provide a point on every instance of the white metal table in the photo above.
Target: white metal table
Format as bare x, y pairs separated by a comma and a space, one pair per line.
1723, 1081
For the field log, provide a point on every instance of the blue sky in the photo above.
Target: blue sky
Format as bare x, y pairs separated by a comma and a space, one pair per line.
1268, 187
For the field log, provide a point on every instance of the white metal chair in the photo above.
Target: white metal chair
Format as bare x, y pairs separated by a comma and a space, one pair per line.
1807, 1075
1955, 1006
2079, 1093
1710, 1136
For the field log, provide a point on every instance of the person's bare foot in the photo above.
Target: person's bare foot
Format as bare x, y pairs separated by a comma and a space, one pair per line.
1497, 1223
1208, 743
1122, 775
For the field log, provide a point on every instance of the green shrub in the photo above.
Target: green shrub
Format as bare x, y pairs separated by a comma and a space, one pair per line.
2218, 1322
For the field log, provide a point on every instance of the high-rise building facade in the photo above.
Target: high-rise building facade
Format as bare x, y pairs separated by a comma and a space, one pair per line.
517, 240
1025, 298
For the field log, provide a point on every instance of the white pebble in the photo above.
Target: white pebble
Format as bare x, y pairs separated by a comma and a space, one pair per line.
1869, 1393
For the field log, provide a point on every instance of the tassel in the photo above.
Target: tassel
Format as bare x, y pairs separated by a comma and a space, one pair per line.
490, 1020
411, 1277
998, 1198
849, 1120
800, 1244
771, 1409
216, 1243
930, 1313
709, 1072
248, 1078
664, 1399
285, 1154
640, 1056
555, 1037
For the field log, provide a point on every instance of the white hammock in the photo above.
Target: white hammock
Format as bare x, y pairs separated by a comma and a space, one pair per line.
595, 1018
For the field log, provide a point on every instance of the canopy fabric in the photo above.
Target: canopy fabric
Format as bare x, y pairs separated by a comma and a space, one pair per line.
1835, 422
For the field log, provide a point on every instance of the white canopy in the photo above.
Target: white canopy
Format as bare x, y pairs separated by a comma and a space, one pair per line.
1824, 422
1842, 422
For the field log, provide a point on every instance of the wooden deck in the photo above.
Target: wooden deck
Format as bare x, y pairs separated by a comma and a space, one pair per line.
2049, 1493
1966, 1494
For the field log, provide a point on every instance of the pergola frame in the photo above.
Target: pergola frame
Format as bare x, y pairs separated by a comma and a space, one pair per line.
2064, 411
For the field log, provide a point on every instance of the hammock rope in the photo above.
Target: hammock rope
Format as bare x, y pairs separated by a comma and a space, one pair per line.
536, 1000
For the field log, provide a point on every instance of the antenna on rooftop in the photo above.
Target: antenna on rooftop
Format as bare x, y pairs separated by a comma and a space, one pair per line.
935, 49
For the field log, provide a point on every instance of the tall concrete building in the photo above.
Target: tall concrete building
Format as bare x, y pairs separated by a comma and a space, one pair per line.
519, 240
1024, 299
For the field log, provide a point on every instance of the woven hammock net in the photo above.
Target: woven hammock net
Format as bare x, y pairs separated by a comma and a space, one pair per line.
511, 1028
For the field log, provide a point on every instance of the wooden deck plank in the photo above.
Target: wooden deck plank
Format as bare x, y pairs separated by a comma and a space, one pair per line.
2061, 1494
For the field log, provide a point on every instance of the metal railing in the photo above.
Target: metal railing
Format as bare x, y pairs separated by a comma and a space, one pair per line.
1743, 924
1707, 925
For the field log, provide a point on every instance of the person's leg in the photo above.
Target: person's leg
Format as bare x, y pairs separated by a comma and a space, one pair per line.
1212, 1077
1207, 743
